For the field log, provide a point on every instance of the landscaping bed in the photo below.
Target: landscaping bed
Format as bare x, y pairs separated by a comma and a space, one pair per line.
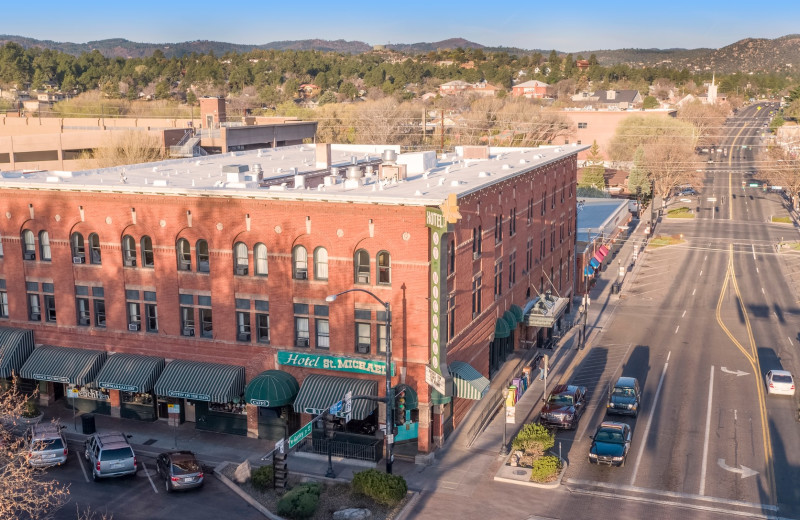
531, 448
333, 497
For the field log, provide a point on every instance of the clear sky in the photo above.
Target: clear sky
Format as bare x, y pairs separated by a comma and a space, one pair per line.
568, 26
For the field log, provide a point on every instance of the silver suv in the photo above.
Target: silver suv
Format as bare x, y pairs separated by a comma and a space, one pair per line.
110, 455
46, 445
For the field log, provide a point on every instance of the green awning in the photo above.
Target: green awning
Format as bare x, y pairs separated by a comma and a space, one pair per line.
76, 366
412, 400
470, 384
15, 347
517, 310
213, 382
501, 329
509, 318
272, 388
319, 392
130, 373
438, 398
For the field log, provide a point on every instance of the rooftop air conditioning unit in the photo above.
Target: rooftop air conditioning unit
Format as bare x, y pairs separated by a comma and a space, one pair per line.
188, 331
133, 327
77, 259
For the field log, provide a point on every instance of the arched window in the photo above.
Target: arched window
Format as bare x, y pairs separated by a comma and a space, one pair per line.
44, 246
78, 248
147, 251
28, 245
384, 263
320, 263
128, 251
260, 259
300, 263
240, 262
183, 250
94, 249
201, 248
362, 266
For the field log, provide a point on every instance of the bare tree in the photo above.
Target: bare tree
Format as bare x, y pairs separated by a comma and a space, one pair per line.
783, 169
23, 494
383, 121
125, 147
708, 119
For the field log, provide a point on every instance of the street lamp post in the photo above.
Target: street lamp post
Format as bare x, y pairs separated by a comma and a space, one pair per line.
328, 441
504, 447
389, 399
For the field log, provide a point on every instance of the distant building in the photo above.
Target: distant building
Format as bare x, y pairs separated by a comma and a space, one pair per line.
533, 89
459, 87
611, 99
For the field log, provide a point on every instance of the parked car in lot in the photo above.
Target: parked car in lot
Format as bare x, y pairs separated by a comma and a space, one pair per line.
46, 445
564, 406
624, 397
110, 455
180, 470
779, 382
610, 444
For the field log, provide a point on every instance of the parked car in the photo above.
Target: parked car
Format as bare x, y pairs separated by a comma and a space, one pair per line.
110, 455
610, 444
180, 470
46, 445
779, 382
564, 406
625, 397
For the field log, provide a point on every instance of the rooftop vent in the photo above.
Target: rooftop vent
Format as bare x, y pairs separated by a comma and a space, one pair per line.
389, 156
235, 168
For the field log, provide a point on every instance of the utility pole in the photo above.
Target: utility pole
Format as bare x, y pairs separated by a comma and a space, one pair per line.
441, 147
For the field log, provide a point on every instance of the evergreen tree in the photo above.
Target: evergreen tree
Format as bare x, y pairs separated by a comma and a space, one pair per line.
638, 177
593, 174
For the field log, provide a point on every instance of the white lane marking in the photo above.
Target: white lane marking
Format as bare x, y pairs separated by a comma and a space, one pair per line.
650, 419
676, 329
708, 431
83, 469
758, 270
684, 314
754, 251
701, 272
706, 258
148, 478
762, 291
742, 470
737, 373
694, 292
790, 340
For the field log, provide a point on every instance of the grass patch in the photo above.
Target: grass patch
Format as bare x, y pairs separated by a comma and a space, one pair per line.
682, 212
794, 246
782, 220
664, 240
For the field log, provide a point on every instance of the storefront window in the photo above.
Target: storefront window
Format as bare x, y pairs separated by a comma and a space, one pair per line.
235, 408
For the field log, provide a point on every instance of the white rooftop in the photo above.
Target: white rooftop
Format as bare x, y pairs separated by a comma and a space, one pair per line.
430, 179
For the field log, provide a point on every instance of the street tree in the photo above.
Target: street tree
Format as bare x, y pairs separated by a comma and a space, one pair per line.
23, 493
638, 178
783, 169
707, 119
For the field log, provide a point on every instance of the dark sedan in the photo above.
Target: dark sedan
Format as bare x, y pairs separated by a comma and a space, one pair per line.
180, 470
610, 444
564, 407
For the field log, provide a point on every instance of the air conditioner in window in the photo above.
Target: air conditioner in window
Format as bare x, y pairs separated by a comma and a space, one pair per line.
244, 336
130, 262
184, 266
188, 331
301, 342
29, 255
83, 321
363, 278
35, 316
362, 348
301, 275
476, 255
240, 270
133, 327
77, 259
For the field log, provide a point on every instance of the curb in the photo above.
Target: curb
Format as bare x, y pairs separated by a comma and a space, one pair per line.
247, 498
548, 485
403, 514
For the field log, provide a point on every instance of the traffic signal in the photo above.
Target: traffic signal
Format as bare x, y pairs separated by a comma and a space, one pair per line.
400, 409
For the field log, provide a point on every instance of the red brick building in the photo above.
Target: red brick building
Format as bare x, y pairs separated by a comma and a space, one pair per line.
222, 267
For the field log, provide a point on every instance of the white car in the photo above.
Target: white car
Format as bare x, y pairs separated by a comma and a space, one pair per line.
779, 382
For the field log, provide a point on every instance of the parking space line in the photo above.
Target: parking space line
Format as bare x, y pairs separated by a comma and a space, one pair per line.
650, 419
83, 468
704, 465
676, 329
148, 478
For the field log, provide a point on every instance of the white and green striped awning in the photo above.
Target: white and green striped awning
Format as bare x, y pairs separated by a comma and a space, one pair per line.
130, 373
470, 384
15, 347
319, 392
213, 382
76, 366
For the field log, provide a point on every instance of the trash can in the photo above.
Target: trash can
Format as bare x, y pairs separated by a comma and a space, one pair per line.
615, 287
87, 421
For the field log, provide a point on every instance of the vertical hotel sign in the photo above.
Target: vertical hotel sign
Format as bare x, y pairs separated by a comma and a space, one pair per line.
437, 219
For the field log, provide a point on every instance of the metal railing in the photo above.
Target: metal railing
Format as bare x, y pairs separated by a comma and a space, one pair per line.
370, 451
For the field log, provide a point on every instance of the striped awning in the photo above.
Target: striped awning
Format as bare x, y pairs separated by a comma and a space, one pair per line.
501, 329
594, 263
410, 395
272, 388
76, 366
588, 270
470, 384
603, 250
213, 382
15, 347
130, 373
597, 256
319, 392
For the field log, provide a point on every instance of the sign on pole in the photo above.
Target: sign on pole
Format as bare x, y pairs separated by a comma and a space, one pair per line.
299, 435
279, 445
435, 379
511, 415
348, 406
336, 408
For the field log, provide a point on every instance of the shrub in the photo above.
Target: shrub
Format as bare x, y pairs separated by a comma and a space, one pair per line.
301, 501
31, 410
682, 212
381, 487
545, 469
783, 220
263, 478
533, 439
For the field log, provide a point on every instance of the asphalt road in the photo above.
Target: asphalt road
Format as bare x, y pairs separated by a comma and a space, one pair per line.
142, 497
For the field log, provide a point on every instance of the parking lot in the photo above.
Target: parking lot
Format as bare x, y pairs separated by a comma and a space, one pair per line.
143, 496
